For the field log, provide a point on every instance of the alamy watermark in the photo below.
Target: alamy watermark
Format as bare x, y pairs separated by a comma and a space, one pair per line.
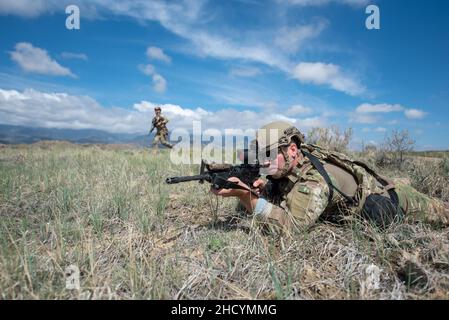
227, 146
73, 21
372, 22
72, 277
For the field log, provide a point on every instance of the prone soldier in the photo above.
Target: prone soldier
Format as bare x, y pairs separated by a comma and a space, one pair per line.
307, 183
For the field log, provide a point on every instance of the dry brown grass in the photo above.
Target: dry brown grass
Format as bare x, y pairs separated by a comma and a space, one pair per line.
108, 211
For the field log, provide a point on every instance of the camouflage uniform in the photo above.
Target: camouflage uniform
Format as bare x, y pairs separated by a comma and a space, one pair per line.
159, 122
301, 197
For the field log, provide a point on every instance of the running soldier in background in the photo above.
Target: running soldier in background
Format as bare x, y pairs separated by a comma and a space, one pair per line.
160, 123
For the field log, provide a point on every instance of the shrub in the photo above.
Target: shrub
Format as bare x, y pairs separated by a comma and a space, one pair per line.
330, 138
398, 143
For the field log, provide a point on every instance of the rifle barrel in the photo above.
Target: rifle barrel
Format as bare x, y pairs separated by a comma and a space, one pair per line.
199, 177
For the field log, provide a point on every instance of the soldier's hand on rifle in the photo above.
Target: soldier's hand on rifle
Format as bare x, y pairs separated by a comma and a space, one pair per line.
245, 196
232, 192
259, 185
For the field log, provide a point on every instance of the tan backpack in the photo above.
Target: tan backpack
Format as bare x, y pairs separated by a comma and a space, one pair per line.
376, 207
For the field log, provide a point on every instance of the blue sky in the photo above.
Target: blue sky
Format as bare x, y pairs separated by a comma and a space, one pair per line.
230, 64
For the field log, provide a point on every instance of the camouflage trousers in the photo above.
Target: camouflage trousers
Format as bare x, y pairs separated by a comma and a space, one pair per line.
161, 138
420, 207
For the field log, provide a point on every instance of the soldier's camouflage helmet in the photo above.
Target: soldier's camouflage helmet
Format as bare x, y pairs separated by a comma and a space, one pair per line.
157, 109
277, 134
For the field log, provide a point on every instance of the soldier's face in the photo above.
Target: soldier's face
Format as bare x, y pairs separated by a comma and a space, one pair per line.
276, 165
158, 112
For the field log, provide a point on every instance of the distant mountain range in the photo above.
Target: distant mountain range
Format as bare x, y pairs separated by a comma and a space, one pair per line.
19, 134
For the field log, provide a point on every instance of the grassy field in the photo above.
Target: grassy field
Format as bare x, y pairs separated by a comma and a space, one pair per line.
107, 211
430, 154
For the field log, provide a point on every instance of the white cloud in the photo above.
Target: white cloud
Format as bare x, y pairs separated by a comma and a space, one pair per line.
159, 82
12, 95
290, 39
378, 108
35, 8
219, 47
148, 69
61, 110
157, 54
327, 74
415, 114
318, 73
246, 72
297, 110
173, 110
36, 60
72, 55
367, 108
308, 123
363, 118
25, 8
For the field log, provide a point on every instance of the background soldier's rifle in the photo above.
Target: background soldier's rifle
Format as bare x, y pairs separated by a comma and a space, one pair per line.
155, 123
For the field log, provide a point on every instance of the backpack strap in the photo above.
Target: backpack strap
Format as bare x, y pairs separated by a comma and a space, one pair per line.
320, 168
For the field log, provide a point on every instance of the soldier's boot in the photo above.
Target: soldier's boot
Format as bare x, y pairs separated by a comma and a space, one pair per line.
168, 145
436, 212
421, 207
165, 142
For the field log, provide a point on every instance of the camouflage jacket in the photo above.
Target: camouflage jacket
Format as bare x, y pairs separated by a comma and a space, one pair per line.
160, 123
302, 197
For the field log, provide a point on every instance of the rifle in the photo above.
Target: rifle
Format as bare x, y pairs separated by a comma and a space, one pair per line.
218, 174
156, 121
